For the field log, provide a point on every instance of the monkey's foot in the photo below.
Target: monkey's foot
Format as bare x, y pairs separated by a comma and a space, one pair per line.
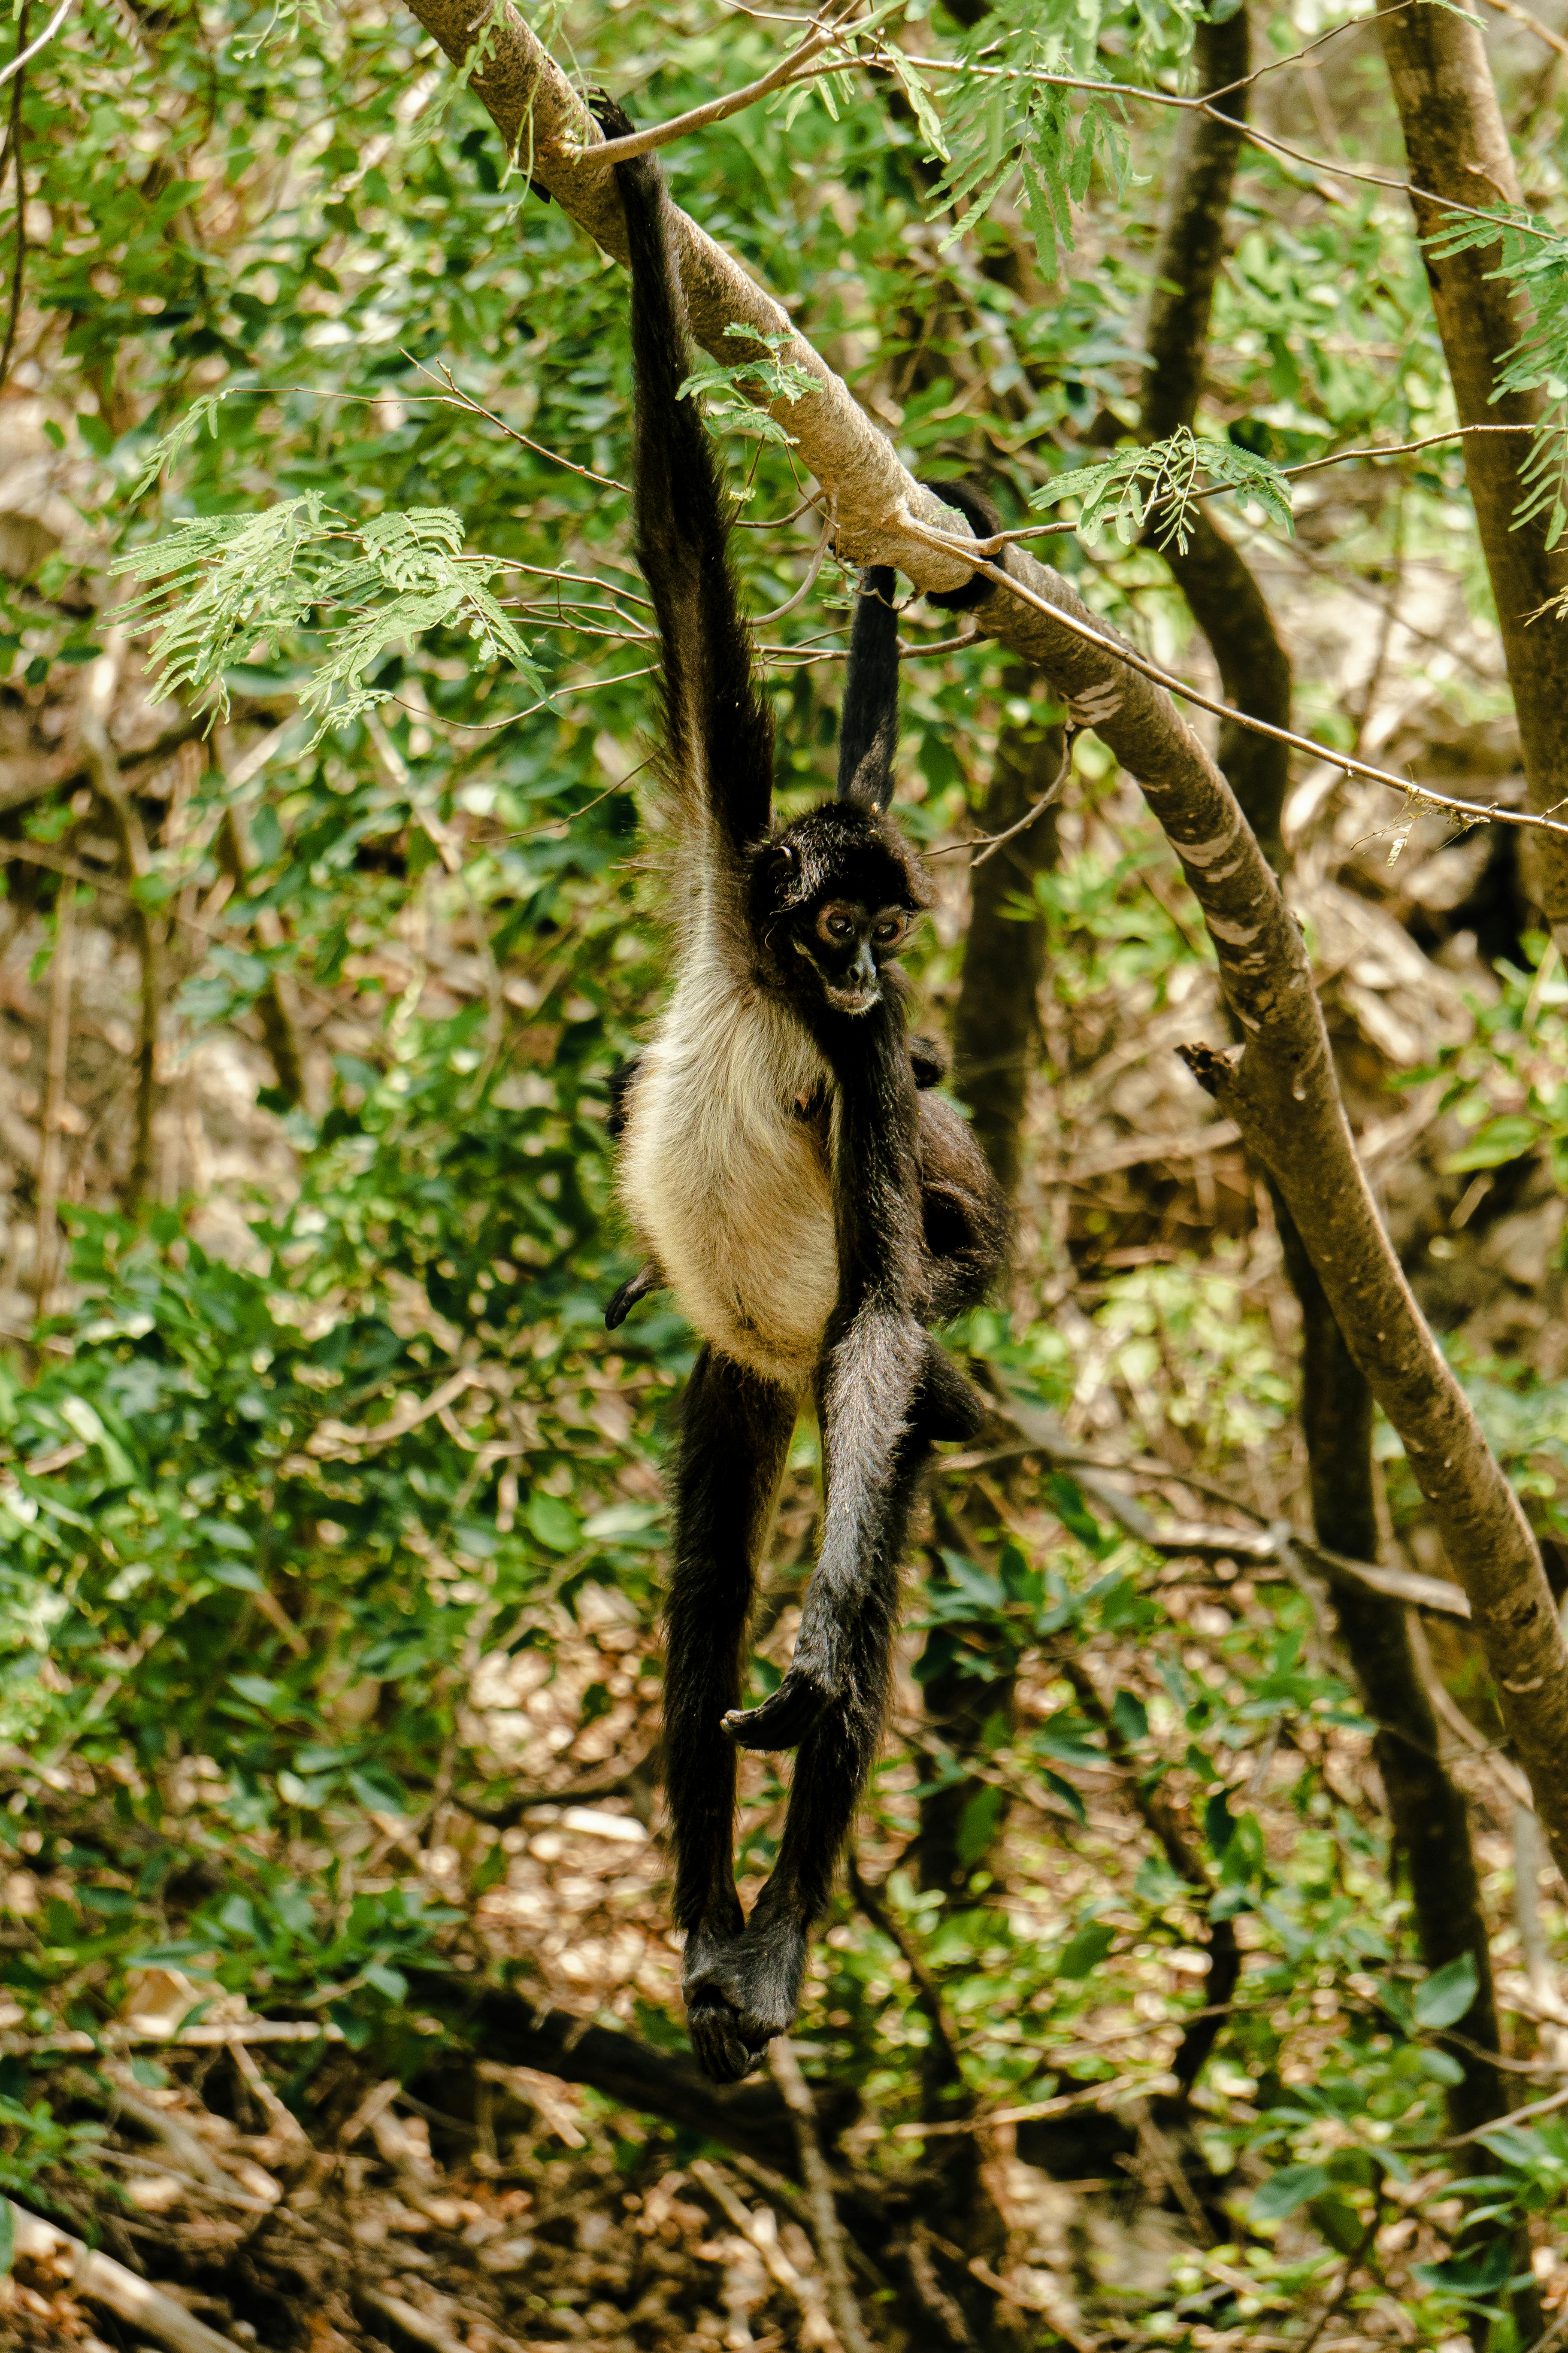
742, 1992
784, 1719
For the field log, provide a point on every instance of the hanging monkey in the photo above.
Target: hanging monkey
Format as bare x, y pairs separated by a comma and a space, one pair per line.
789, 1172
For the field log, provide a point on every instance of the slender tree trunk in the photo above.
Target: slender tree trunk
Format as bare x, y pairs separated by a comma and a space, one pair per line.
1215, 579
1427, 1814
1431, 1823
1458, 148
995, 1030
997, 1022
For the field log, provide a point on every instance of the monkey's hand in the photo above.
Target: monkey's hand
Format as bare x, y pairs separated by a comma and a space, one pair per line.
783, 1721
740, 1992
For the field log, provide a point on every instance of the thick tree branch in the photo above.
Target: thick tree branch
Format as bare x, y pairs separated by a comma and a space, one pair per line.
1281, 1092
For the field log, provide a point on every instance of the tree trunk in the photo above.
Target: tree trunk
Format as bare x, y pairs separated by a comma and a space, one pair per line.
1458, 148
1427, 1814
1431, 1823
1216, 581
997, 1022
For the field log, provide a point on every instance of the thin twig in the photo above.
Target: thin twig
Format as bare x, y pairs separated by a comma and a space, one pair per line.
829, 2231
1523, 17
804, 2292
56, 1067
604, 154
456, 397
1473, 813
25, 57
872, 1901
13, 142
994, 842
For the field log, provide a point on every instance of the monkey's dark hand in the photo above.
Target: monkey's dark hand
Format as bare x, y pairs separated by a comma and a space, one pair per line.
740, 1992
783, 1721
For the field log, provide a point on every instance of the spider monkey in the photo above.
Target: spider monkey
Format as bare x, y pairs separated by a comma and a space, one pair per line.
814, 1206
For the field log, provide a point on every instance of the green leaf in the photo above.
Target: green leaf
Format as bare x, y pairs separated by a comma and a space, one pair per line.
1085, 1951
1507, 1138
977, 1823
1287, 2189
554, 1524
1129, 1716
1447, 1994
1163, 479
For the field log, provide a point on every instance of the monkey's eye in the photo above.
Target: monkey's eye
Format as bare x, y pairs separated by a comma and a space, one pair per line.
890, 930
836, 925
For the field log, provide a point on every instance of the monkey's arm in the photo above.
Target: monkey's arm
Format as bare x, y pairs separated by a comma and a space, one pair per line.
884, 1389
718, 733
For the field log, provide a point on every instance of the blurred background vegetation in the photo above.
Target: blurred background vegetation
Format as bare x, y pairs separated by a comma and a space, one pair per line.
331, 1520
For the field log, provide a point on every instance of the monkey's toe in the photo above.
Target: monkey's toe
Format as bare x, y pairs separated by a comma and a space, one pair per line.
720, 2048
786, 1717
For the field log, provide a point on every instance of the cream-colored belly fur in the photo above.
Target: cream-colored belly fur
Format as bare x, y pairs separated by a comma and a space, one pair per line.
726, 1183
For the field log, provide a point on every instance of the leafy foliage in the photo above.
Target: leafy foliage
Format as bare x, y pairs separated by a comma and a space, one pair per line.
241, 587
1164, 477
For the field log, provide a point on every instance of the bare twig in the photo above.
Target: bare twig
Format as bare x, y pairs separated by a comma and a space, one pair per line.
827, 2229
717, 110
1065, 2103
1473, 813
872, 1901
24, 56
55, 1072
1533, 1948
13, 142
1523, 17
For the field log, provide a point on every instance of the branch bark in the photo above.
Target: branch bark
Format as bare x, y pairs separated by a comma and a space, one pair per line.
1458, 148
1281, 1092
102, 2280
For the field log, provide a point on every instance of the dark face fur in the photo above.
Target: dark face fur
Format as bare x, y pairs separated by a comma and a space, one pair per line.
836, 896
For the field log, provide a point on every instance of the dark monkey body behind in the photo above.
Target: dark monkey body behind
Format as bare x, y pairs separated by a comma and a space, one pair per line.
813, 1208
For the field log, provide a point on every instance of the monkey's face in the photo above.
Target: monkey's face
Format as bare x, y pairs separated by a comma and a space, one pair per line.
835, 896
846, 943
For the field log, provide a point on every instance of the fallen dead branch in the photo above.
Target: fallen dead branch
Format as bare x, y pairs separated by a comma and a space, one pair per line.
102, 2280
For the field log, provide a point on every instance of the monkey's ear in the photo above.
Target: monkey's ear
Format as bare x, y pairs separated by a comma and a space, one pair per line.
984, 521
779, 864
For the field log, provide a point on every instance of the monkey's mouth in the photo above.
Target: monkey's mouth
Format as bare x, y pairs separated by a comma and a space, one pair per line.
854, 997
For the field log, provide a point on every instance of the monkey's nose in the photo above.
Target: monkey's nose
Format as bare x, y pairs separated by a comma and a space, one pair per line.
866, 966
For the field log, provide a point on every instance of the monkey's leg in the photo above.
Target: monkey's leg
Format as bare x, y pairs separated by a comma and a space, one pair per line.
734, 1441
875, 1380
762, 1974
